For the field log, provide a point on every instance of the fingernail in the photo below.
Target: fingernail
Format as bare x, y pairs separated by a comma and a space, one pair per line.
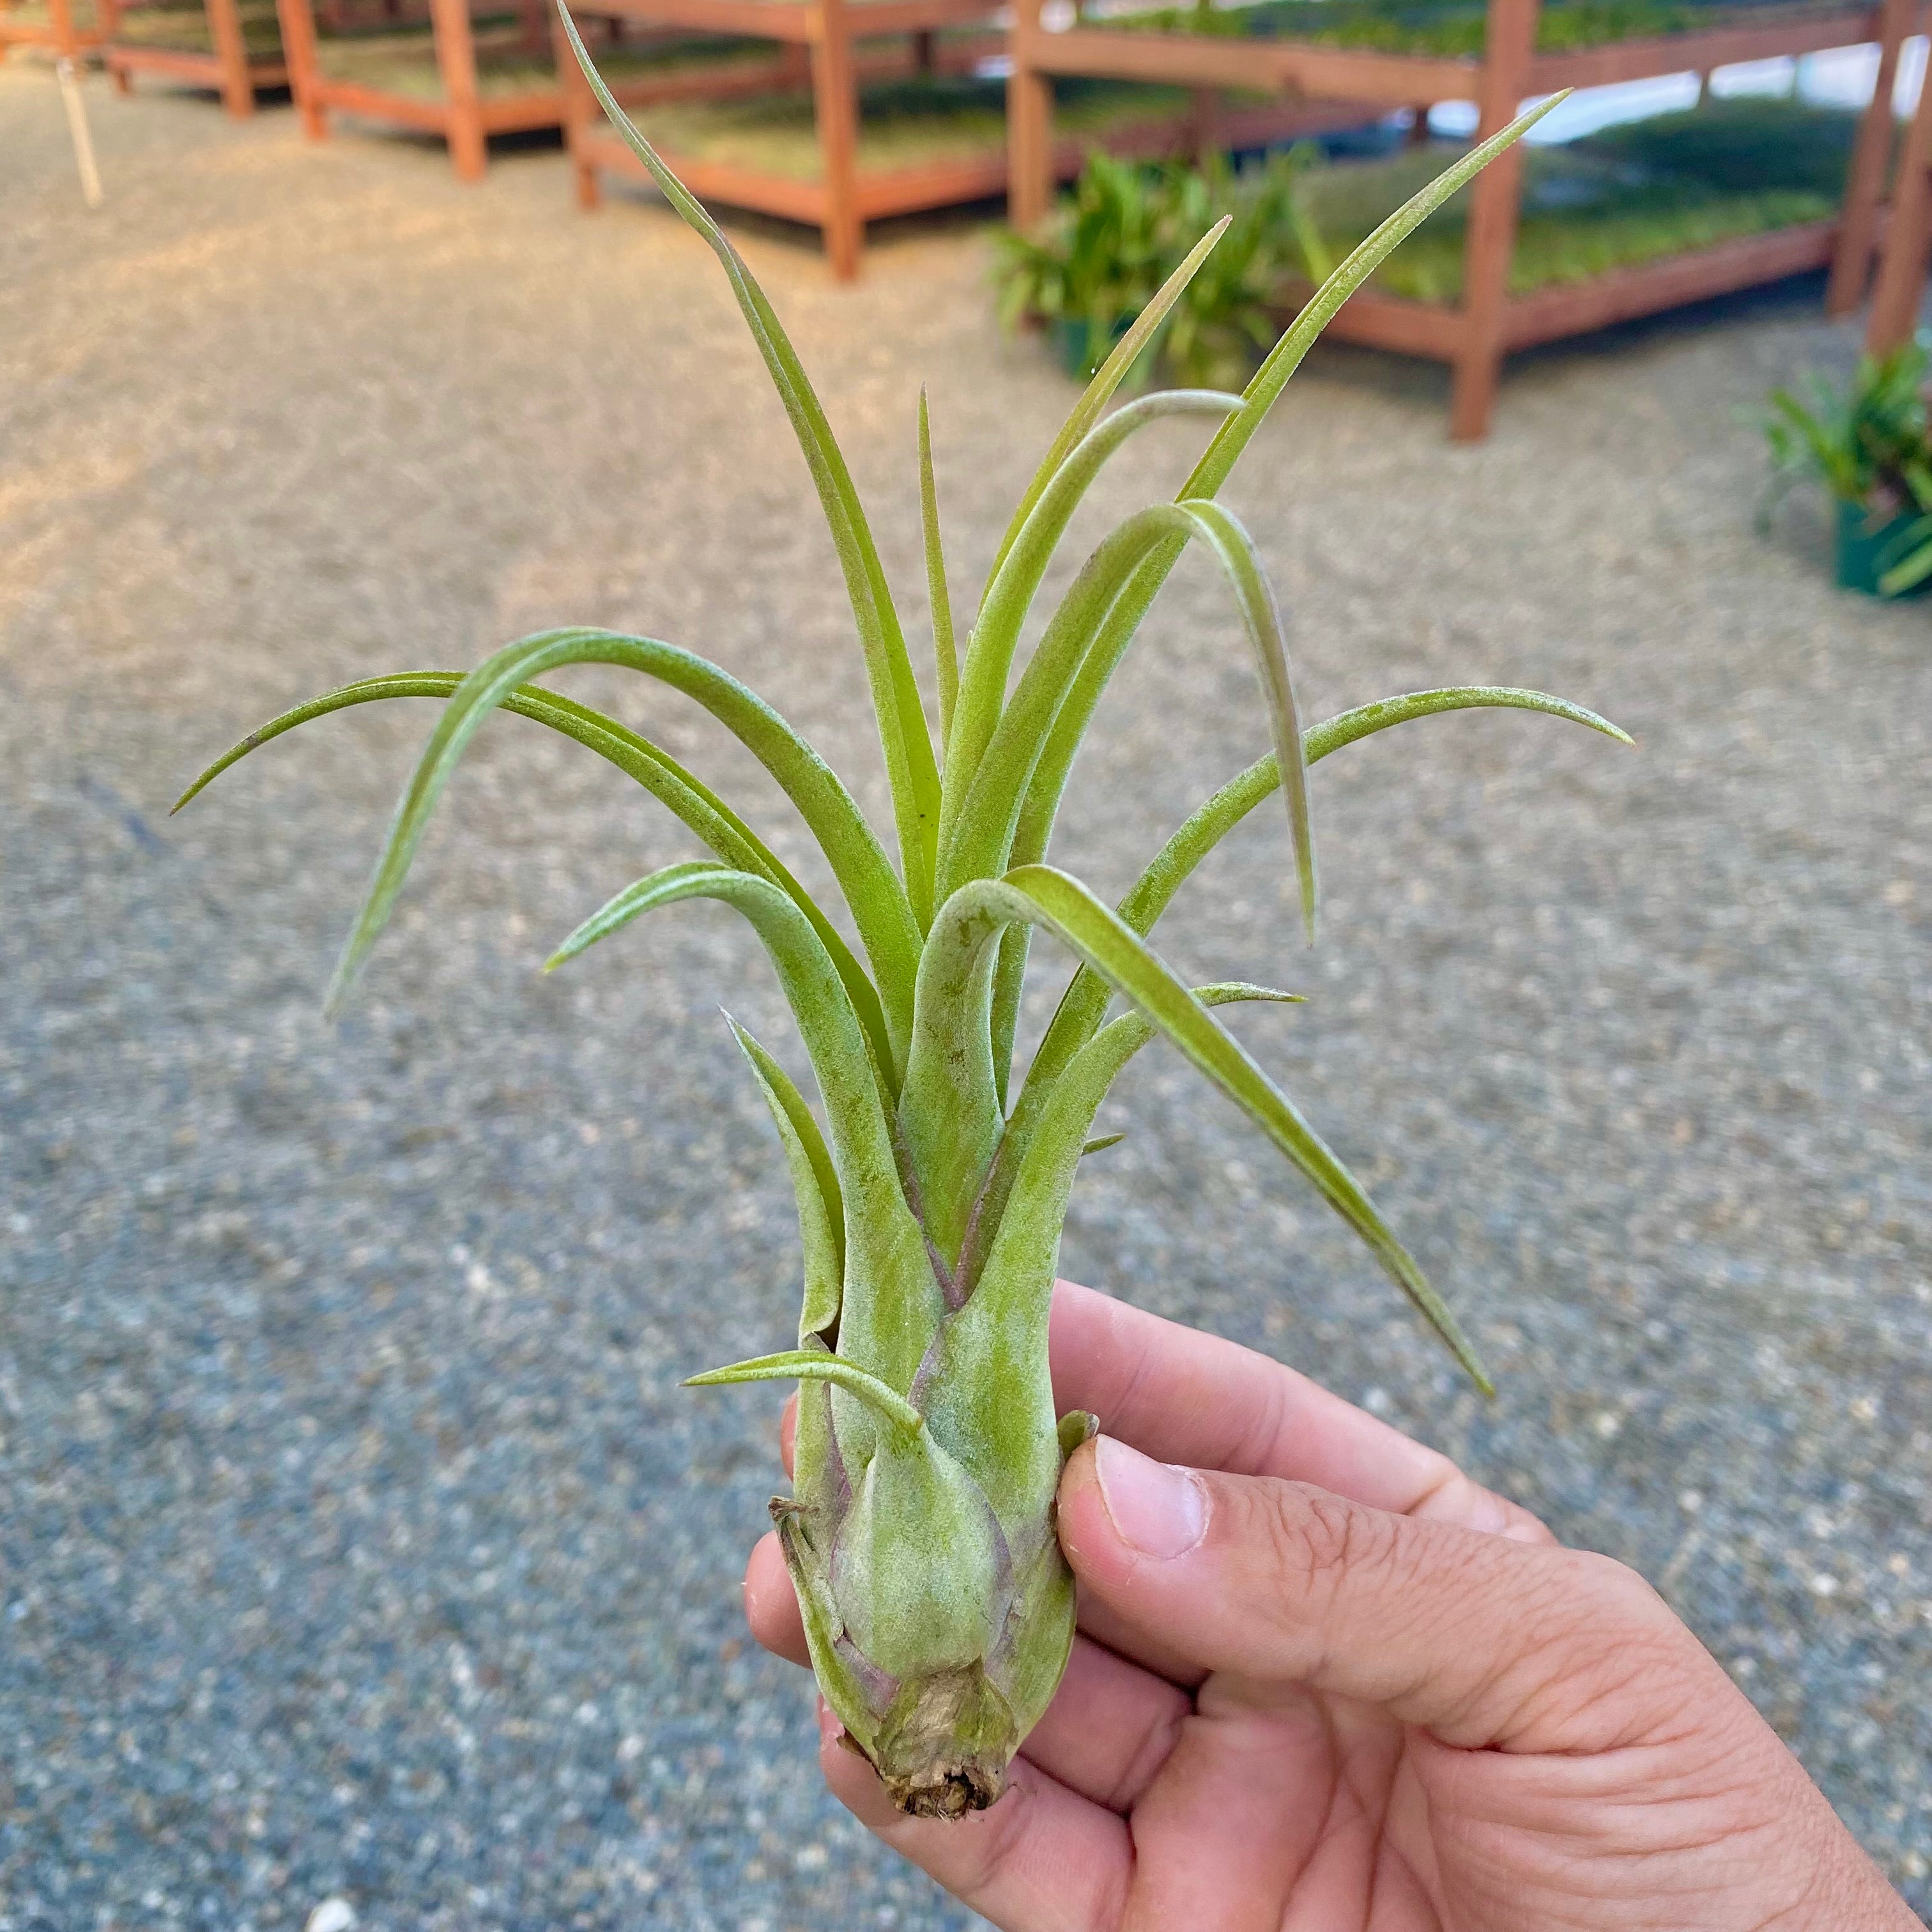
1157, 1509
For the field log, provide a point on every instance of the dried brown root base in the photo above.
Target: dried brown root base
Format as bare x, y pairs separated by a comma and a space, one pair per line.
945, 1745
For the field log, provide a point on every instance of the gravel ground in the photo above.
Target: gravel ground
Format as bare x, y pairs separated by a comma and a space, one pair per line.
356, 1540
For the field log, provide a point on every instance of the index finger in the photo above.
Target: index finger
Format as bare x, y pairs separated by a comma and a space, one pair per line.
1185, 1397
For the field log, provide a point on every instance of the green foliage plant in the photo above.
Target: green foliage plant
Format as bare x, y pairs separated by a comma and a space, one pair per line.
1868, 444
1126, 228
919, 1534
1440, 29
1102, 259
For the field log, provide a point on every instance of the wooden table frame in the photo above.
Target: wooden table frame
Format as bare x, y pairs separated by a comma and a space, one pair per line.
1475, 336
826, 36
228, 67
821, 38
1899, 293
60, 36
463, 116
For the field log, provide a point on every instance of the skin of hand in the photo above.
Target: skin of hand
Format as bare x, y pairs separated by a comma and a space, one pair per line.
1325, 1683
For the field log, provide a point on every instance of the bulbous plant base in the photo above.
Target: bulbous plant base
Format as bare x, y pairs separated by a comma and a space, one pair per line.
944, 1746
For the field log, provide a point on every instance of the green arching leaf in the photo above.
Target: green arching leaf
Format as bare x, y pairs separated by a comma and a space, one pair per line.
1281, 361
991, 1387
700, 809
1101, 1143
945, 651
1138, 594
892, 1302
910, 768
886, 928
1106, 380
807, 1365
1084, 1002
981, 809
1010, 595
949, 1117
1016, 1146
814, 1180
984, 832
1236, 549
1060, 903
1020, 802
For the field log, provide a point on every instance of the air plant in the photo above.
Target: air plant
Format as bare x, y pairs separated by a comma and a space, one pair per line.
920, 1531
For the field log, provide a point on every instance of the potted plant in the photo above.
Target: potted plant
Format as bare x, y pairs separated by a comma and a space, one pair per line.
931, 1185
1098, 266
1868, 445
1126, 228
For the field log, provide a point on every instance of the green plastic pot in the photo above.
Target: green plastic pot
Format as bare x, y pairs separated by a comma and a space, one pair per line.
1070, 336
1868, 548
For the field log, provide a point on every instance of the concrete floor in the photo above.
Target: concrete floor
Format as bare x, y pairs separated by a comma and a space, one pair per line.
354, 1539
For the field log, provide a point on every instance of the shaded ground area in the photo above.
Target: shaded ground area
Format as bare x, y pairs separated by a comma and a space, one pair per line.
354, 1537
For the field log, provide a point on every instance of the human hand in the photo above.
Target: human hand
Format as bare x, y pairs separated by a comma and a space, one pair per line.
1324, 1680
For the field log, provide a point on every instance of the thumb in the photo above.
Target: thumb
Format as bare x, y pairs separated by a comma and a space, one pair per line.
1485, 1641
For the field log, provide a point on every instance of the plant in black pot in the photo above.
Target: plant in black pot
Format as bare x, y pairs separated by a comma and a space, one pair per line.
1869, 446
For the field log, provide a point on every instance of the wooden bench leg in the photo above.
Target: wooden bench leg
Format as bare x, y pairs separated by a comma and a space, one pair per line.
298, 29
1495, 199
1865, 179
1900, 288
456, 57
835, 91
1029, 125
231, 47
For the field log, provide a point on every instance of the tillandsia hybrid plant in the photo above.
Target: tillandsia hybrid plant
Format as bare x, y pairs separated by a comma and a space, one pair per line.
920, 1531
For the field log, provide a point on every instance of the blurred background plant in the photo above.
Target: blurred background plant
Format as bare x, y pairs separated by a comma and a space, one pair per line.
1127, 226
1866, 443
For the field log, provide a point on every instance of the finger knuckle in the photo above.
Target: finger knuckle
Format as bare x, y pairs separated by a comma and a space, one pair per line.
1315, 1539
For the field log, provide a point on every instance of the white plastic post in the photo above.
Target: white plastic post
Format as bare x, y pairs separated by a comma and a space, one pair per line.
76, 127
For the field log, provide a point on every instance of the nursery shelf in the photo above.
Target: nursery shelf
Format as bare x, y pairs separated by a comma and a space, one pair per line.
934, 141
834, 49
233, 46
1523, 50
58, 27
467, 77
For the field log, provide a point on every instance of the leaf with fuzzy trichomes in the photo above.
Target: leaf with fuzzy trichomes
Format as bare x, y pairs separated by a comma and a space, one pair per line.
1042, 804
1009, 596
886, 927
1052, 900
806, 1365
911, 769
1084, 1002
1263, 391
952, 1104
983, 842
814, 1180
700, 808
945, 652
1107, 378
995, 1349
882, 1329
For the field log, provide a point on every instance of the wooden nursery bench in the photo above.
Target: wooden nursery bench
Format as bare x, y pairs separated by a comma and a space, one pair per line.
886, 116
58, 27
465, 76
233, 46
1498, 55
